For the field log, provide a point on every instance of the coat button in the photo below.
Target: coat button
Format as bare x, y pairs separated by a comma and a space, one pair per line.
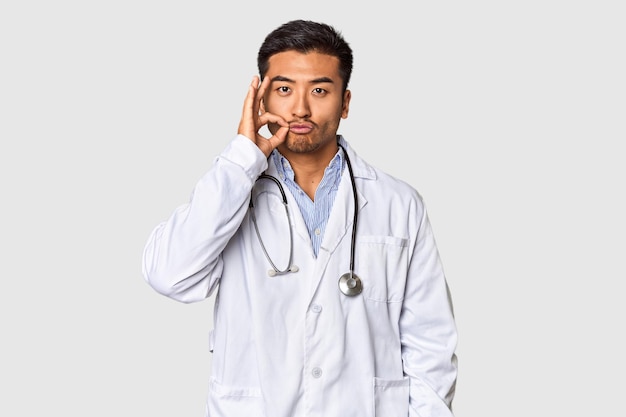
316, 308
316, 372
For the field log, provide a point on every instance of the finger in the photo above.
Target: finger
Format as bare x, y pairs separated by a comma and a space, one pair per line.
250, 97
279, 137
248, 117
261, 93
267, 117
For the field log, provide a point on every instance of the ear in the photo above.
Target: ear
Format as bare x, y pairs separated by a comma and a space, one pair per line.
345, 106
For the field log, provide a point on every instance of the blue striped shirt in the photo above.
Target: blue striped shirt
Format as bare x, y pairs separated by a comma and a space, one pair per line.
315, 212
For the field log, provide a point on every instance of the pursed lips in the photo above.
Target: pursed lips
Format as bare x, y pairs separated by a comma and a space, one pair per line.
300, 128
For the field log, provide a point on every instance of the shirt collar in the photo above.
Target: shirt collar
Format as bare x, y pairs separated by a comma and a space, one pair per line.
283, 167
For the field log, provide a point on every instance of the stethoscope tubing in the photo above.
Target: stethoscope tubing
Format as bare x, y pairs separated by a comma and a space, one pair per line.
349, 283
356, 210
274, 270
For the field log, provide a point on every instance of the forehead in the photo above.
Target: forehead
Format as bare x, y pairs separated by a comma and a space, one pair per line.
303, 66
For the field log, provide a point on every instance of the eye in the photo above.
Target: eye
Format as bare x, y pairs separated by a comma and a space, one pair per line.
283, 89
319, 91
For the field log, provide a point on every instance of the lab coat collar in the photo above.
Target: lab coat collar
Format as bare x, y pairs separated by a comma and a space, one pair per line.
361, 168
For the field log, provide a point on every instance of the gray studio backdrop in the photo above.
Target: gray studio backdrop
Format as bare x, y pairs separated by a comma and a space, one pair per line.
508, 117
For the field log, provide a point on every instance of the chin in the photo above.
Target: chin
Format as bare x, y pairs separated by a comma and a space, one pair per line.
299, 143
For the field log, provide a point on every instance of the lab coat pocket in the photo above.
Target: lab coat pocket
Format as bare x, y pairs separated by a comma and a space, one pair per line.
234, 401
382, 265
391, 397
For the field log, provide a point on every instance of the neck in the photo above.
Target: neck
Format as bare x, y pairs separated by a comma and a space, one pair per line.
309, 168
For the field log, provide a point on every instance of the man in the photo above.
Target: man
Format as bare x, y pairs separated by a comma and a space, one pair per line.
338, 307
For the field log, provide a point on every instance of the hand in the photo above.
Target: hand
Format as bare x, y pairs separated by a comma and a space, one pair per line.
252, 120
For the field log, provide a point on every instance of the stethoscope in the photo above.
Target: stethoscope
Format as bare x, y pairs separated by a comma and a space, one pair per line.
349, 283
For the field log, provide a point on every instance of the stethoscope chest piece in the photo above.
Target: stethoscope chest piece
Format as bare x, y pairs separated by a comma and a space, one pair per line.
350, 284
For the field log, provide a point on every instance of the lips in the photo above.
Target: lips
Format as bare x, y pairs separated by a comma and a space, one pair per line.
300, 128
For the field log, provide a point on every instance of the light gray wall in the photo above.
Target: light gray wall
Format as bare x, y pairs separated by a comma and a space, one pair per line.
507, 116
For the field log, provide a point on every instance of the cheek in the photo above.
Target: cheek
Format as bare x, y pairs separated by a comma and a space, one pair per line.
327, 111
335, 115
274, 106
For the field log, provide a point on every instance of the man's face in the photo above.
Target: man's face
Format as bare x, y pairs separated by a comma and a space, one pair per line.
306, 91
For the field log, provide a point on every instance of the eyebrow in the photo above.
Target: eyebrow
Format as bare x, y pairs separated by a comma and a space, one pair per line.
314, 81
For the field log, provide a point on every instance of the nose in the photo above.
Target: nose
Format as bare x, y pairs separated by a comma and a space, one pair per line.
301, 107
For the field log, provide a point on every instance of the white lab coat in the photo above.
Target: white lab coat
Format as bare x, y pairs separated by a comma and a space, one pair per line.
293, 345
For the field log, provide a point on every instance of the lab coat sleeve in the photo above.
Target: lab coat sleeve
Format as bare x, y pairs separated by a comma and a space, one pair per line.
428, 331
182, 258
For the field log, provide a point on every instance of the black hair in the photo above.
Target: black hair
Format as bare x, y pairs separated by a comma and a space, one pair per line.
307, 36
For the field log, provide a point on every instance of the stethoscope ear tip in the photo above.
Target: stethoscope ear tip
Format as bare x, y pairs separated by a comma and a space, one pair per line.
271, 272
294, 268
